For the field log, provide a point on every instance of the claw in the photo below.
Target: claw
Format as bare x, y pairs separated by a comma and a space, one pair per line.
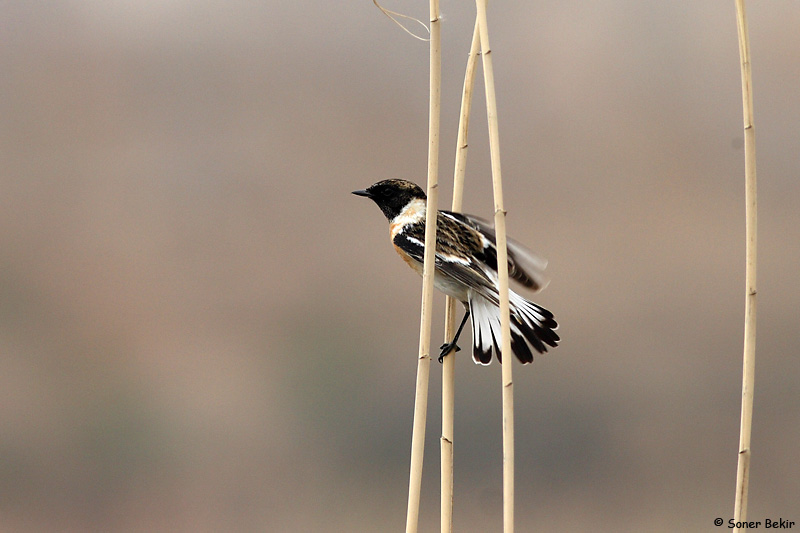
446, 349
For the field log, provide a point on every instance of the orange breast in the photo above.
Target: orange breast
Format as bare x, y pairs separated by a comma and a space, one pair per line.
417, 266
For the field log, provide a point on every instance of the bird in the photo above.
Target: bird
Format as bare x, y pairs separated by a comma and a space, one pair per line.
466, 269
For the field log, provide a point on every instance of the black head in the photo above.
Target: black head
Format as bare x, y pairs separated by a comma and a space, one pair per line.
392, 195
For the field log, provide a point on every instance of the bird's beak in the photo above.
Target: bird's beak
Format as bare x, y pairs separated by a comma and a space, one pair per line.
363, 192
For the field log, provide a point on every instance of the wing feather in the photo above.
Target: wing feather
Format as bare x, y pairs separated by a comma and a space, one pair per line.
524, 266
456, 247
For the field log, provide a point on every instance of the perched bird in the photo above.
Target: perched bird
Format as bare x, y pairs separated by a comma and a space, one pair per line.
466, 269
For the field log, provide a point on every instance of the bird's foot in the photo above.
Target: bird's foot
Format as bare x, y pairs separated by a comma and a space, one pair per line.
446, 349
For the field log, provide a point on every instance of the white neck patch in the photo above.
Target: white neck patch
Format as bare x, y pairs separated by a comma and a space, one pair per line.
411, 214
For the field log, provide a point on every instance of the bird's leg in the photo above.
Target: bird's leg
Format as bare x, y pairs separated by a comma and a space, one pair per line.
450, 346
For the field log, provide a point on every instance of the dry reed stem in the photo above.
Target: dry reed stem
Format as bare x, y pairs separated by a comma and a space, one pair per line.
749, 356
502, 273
393, 14
424, 361
448, 365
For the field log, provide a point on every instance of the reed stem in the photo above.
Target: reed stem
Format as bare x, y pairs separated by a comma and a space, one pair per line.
502, 273
448, 365
424, 360
749, 355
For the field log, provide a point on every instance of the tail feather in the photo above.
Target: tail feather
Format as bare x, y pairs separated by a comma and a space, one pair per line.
520, 348
532, 328
481, 316
536, 318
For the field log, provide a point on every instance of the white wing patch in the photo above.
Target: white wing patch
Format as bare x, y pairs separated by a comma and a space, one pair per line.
454, 259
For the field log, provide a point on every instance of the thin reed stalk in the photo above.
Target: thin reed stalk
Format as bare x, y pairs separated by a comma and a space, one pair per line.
749, 356
448, 365
502, 273
424, 361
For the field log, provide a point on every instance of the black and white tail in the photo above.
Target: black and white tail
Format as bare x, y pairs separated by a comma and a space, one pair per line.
532, 327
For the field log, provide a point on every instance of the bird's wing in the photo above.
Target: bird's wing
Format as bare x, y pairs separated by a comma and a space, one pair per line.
456, 248
524, 266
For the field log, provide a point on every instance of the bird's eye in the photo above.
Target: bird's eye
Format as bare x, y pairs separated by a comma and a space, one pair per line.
386, 193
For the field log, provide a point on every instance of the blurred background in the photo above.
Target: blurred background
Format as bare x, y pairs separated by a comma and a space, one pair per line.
202, 330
